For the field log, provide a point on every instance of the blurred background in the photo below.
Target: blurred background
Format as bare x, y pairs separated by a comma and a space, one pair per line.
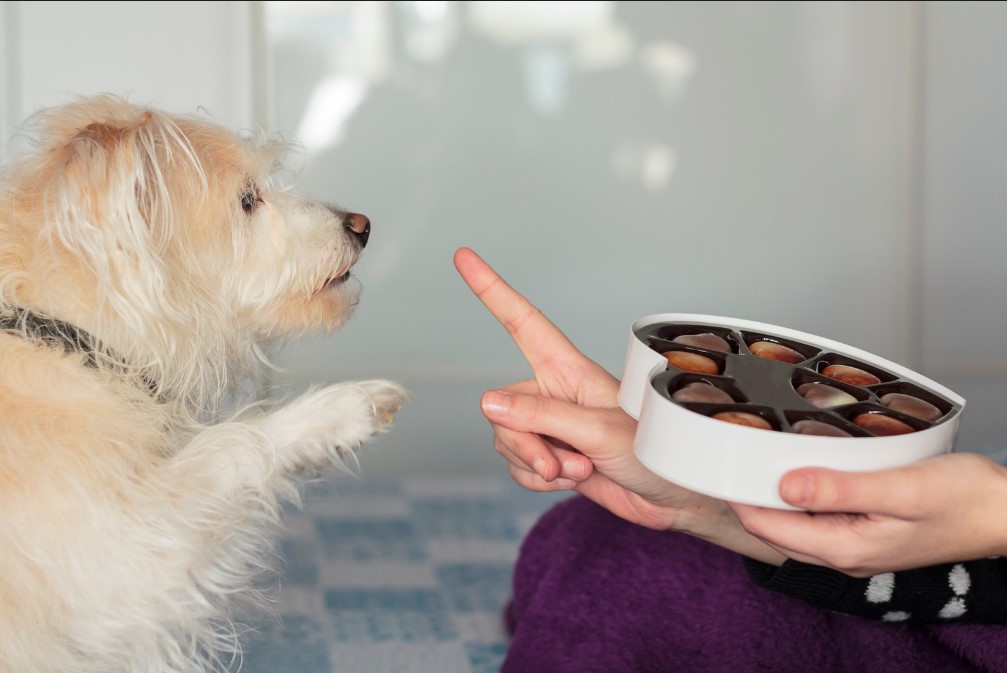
833, 167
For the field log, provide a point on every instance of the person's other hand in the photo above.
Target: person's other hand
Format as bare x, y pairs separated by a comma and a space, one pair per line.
940, 510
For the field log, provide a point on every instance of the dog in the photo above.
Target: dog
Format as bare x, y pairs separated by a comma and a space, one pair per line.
147, 264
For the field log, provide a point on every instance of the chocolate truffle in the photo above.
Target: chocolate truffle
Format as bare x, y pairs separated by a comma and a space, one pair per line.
852, 375
692, 362
881, 425
823, 396
742, 418
706, 340
775, 351
911, 406
810, 427
698, 391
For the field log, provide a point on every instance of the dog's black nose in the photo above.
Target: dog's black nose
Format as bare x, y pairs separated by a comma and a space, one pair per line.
359, 225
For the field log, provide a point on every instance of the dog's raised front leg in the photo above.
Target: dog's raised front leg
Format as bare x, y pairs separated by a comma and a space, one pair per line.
327, 425
310, 436
225, 489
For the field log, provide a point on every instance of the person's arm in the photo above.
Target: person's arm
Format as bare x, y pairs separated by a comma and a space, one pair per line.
970, 591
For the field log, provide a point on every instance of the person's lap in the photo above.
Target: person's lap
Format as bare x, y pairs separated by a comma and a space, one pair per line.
595, 593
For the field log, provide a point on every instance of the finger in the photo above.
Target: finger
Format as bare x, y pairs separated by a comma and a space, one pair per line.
516, 449
527, 451
772, 527
592, 393
890, 492
533, 482
536, 337
823, 539
526, 387
589, 430
539, 455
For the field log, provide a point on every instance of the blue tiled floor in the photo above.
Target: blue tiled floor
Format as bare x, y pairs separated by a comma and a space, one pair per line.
395, 576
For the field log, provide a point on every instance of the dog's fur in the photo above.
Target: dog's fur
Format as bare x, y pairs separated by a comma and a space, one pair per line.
131, 518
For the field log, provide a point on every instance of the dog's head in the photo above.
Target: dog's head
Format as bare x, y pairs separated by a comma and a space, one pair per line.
165, 237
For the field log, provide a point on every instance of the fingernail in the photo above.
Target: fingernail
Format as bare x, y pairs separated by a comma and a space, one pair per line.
797, 489
539, 467
496, 402
565, 483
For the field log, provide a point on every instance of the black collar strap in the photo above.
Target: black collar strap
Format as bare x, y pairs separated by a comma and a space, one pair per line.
50, 331
55, 332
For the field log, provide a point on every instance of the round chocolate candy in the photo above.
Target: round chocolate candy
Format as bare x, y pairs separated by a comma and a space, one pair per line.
743, 418
810, 427
881, 425
852, 375
706, 340
698, 391
774, 351
823, 396
692, 362
911, 406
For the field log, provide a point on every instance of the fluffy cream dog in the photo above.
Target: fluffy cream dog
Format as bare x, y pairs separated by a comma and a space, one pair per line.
144, 261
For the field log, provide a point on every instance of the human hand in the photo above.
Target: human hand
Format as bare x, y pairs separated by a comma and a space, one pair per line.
563, 429
560, 371
523, 423
940, 510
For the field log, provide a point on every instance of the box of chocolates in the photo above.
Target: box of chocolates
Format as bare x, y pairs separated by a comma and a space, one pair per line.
727, 406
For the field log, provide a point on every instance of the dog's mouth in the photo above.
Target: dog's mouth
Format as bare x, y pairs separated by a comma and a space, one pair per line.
338, 280
340, 271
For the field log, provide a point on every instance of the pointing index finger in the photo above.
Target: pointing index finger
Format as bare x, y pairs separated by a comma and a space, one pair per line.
536, 337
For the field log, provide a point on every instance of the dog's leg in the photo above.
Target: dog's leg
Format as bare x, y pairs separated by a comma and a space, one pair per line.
229, 482
329, 424
309, 436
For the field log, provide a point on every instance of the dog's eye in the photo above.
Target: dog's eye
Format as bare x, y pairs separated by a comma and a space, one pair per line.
250, 198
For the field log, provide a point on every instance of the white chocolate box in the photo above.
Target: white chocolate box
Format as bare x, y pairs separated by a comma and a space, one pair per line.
683, 444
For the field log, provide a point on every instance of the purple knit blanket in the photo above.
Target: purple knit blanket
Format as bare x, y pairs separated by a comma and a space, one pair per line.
594, 593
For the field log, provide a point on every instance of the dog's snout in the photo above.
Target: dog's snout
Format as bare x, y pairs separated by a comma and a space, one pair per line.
359, 225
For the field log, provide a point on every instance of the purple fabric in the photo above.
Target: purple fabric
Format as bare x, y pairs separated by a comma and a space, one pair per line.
595, 593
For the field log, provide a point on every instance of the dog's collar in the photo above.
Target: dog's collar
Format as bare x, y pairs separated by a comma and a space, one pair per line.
52, 331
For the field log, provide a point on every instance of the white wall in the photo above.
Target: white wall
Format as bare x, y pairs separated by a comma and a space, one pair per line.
963, 317
741, 159
832, 167
181, 56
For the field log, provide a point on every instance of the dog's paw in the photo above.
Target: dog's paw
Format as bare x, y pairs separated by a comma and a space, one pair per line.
336, 418
387, 398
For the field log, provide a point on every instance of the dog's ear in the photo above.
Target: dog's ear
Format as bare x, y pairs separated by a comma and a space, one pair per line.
112, 166
110, 207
